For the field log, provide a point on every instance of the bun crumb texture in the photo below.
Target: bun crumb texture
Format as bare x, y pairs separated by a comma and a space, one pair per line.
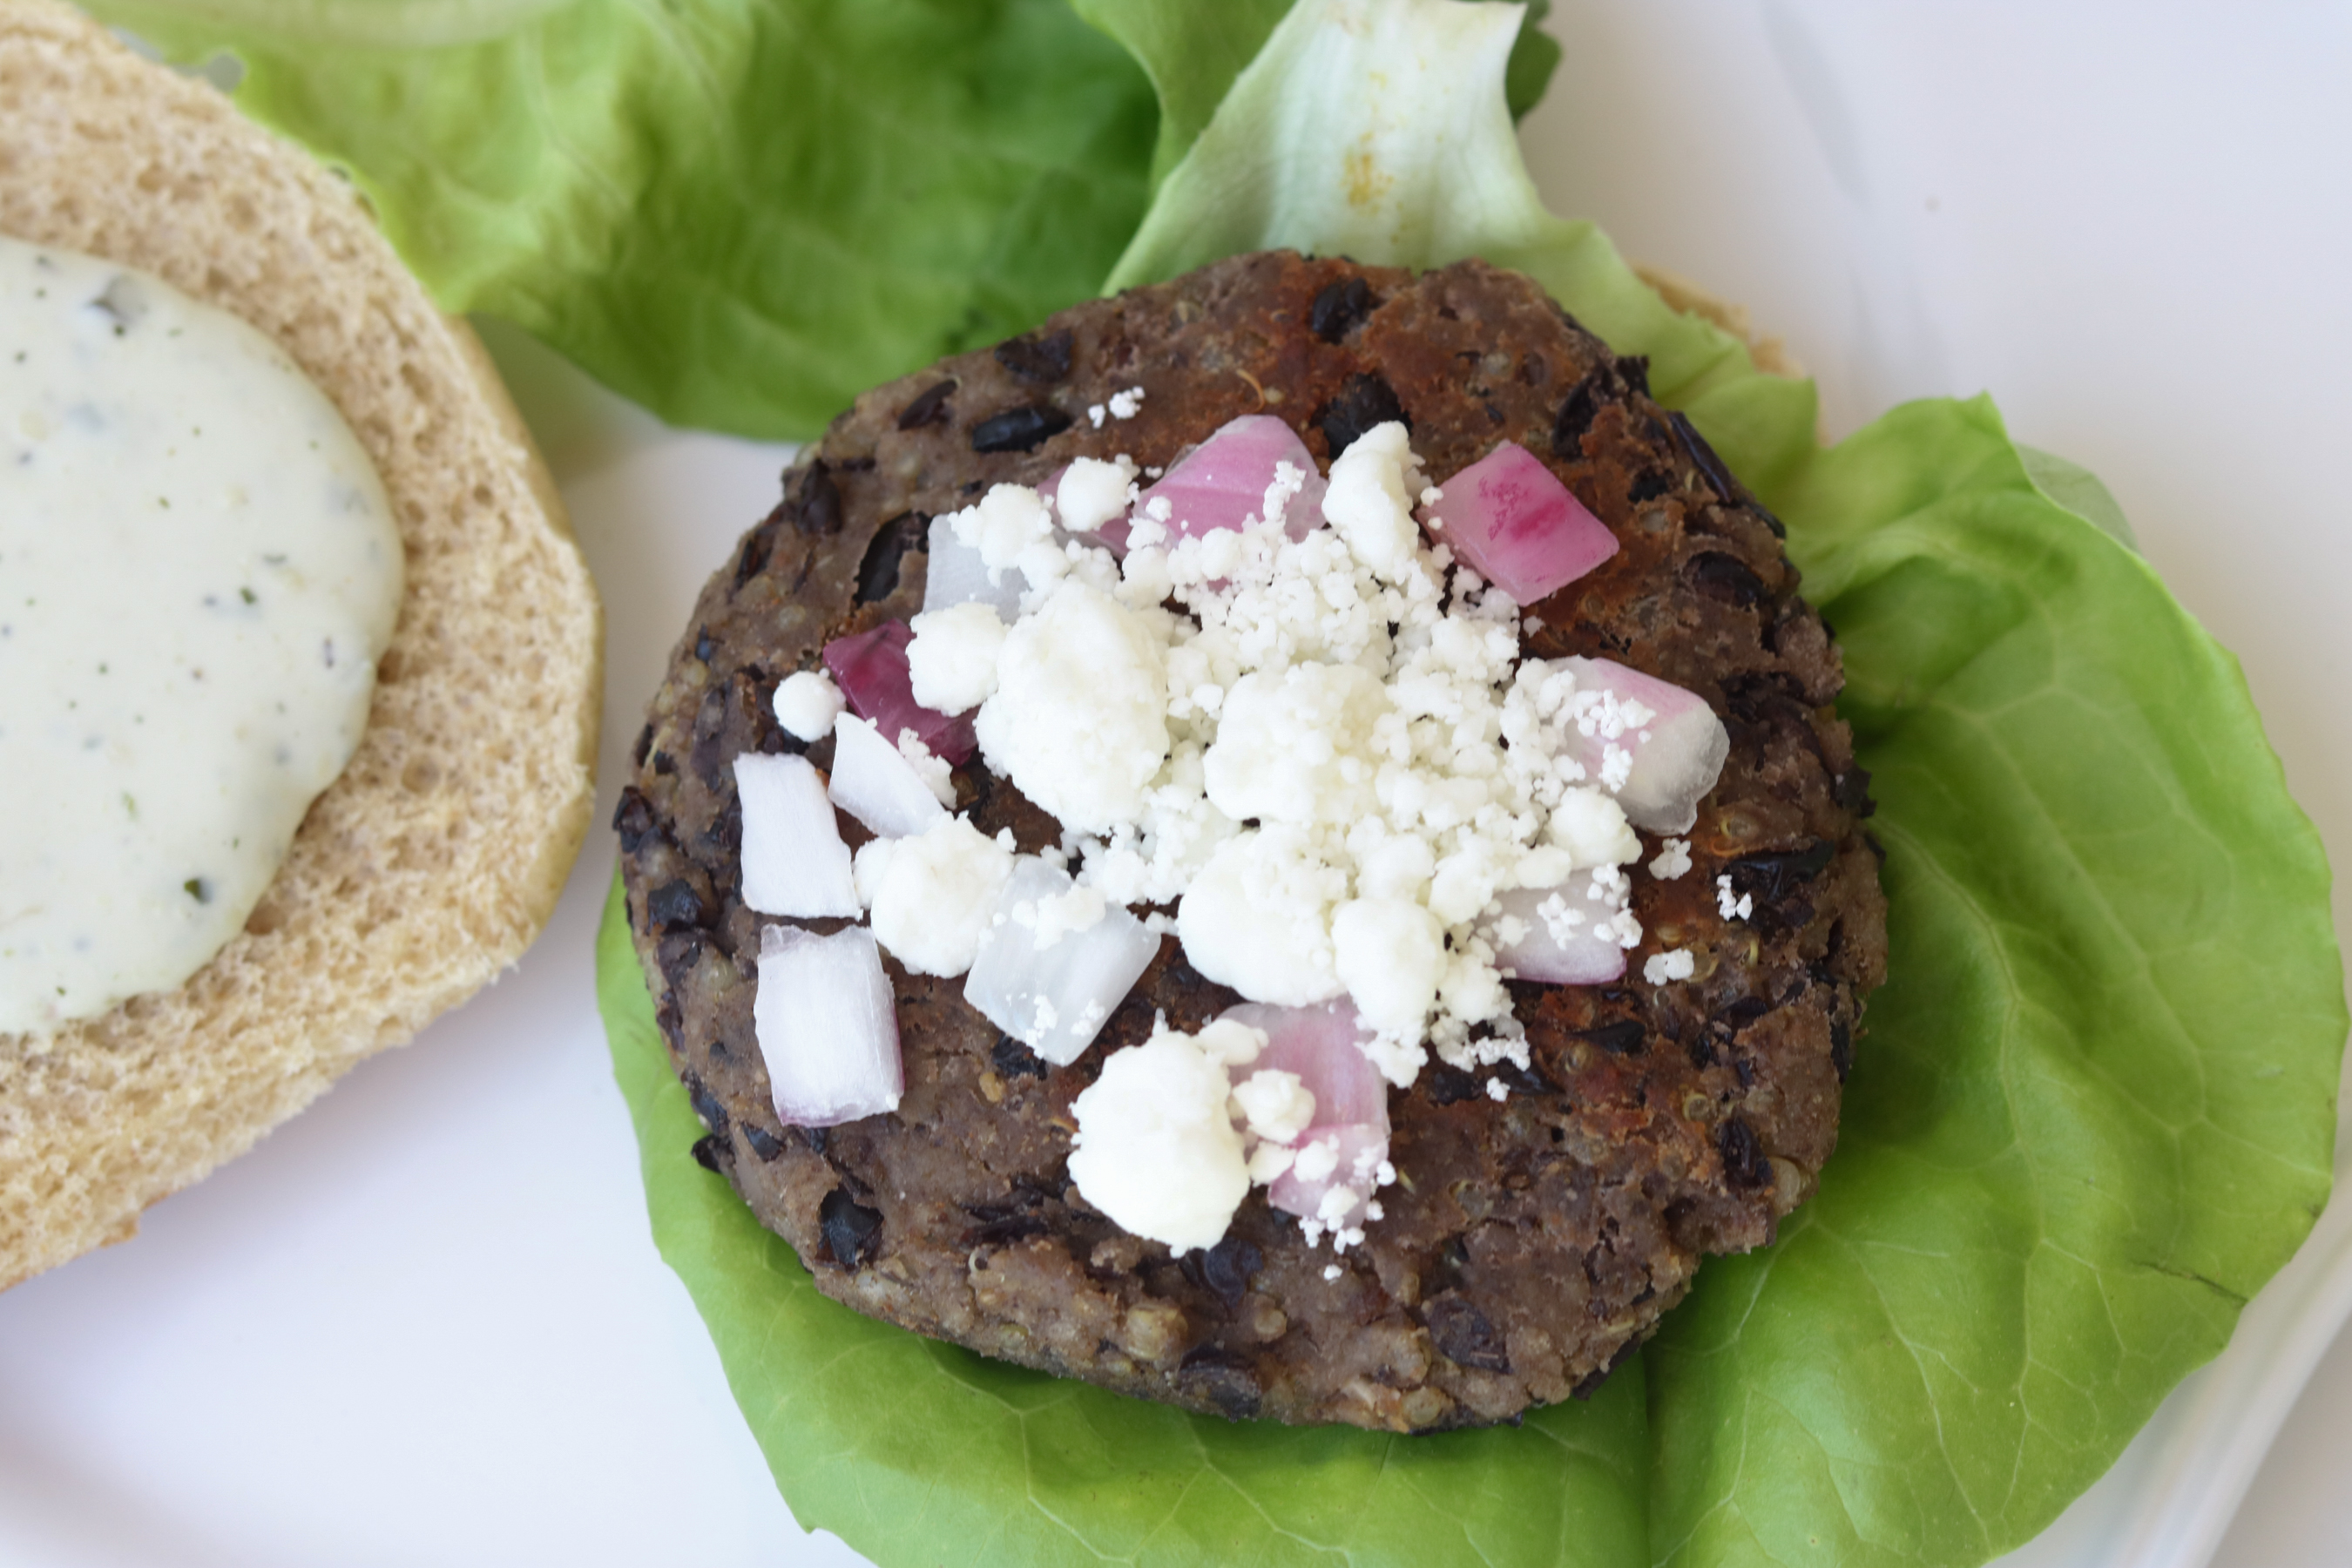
435, 858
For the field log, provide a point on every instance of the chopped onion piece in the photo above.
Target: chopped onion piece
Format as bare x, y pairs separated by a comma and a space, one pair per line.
1512, 522
1673, 755
1560, 935
1351, 1107
874, 781
871, 670
957, 575
1223, 482
1054, 999
793, 859
827, 1027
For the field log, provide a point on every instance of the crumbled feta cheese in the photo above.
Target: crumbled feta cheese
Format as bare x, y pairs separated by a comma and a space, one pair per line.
1065, 914
1156, 1148
1094, 412
1675, 964
1389, 954
1275, 1105
934, 772
1671, 861
1366, 503
1257, 918
1498, 1090
1593, 829
1125, 404
1078, 718
867, 870
1005, 522
1093, 492
1332, 1271
806, 703
951, 662
934, 893
1732, 905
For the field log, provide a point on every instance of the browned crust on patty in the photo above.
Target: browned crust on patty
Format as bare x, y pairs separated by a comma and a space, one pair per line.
1528, 1244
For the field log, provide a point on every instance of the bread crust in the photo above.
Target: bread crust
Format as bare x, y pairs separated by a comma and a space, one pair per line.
439, 855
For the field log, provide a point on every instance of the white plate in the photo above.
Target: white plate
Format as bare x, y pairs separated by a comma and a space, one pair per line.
423, 1323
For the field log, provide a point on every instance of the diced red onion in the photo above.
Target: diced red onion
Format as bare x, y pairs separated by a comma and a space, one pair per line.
1572, 955
871, 670
827, 1027
1055, 1000
1511, 521
1223, 483
1351, 1102
793, 859
956, 573
878, 786
1676, 754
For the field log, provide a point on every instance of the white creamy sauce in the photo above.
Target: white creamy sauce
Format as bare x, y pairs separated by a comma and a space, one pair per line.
198, 569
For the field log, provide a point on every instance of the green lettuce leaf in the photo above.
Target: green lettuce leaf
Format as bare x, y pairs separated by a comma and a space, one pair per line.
739, 213
2093, 1111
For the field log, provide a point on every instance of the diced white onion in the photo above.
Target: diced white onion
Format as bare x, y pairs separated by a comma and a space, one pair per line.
793, 860
873, 782
1054, 999
827, 1027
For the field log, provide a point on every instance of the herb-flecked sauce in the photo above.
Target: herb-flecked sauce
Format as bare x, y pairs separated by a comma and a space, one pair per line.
198, 569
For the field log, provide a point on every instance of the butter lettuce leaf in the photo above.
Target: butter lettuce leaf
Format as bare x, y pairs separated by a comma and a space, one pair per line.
739, 213
2092, 1113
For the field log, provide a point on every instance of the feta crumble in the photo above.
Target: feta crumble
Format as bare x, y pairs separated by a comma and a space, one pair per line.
1675, 964
806, 704
1671, 861
1732, 905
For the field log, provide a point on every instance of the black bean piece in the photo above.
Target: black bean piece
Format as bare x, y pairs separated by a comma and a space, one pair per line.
1363, 402
1840, 1047
814, 503
1744, 1163
703, 646
644, 745
675, 904
664, 764
1648, 485
1622, 1038
677, 953
1523, 1080
633, 818
756, 546
1021, 430
1448, 1085
1774, 875
1014, 1060
710, 1151
1575, 417
1339, 309
853, 1232
1854, 791
1730, 1020
1462, 1335
1634, 370
1225, 1270
764, 1143
1733, 492
706, 1104
1044, 361
1004, 1230
929, 406
1223, 1382
877, 574
1725, 579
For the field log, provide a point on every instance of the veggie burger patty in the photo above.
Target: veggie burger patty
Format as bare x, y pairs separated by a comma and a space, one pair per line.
1541, 1217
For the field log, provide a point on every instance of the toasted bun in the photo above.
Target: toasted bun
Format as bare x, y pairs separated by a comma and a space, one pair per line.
437, 858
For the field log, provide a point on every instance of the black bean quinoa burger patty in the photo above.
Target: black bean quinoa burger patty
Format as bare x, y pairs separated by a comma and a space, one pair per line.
1528, 1244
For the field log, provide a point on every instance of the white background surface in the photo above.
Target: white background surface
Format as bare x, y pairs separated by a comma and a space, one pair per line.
423, 1324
